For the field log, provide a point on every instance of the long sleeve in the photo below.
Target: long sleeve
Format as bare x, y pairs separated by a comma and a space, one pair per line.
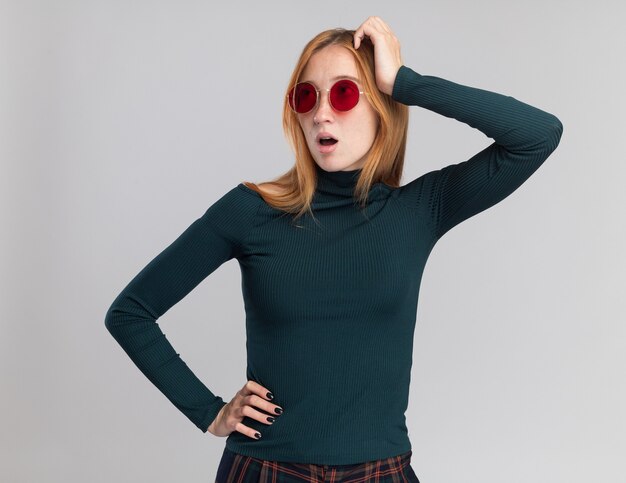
214, 238
524, 138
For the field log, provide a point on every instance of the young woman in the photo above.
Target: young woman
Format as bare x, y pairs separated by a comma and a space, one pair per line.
331, 255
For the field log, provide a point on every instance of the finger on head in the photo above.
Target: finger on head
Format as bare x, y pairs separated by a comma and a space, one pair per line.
358, 37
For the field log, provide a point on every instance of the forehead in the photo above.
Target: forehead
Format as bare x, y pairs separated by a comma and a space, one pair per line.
329, 63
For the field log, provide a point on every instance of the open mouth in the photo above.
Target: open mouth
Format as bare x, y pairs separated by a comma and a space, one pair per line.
327, 141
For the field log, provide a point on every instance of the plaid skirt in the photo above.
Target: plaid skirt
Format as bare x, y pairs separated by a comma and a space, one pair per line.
238, 468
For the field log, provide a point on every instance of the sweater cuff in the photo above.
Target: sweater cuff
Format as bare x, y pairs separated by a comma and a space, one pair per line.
404, 85
211, 414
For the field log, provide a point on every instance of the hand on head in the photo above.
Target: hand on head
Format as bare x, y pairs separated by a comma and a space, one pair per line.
387, 56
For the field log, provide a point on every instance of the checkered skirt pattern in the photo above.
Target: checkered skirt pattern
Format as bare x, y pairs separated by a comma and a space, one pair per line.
238, 468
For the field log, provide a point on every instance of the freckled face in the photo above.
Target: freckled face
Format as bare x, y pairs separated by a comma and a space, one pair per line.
355, 129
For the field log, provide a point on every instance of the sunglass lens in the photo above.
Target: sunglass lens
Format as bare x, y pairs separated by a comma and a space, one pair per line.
302, 97
344, 95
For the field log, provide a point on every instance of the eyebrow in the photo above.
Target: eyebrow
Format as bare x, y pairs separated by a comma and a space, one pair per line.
340, 77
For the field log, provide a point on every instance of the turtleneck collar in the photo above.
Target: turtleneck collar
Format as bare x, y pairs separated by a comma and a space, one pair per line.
336, 183
336, 189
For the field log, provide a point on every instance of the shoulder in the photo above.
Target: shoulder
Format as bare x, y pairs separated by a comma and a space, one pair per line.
234, 210
421, 189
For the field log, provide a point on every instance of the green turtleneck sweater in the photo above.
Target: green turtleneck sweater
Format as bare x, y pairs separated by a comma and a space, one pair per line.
331, 307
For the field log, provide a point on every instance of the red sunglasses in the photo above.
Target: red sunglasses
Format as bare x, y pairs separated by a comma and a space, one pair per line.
343, 96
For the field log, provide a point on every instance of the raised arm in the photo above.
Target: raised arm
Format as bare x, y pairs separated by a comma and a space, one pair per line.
524, 138
524, 135
211, 240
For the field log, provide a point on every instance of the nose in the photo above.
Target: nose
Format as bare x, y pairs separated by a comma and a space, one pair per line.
323, 111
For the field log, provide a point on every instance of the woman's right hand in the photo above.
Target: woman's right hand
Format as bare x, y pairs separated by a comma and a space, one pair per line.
251, 396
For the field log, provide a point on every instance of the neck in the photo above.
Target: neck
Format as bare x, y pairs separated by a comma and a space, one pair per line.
336, 188
336, 183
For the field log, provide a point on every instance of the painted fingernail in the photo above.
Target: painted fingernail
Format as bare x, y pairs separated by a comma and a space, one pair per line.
257, 435
278, 410
270, 395
271, 419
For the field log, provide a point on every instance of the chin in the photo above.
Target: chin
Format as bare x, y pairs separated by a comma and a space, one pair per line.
330, 165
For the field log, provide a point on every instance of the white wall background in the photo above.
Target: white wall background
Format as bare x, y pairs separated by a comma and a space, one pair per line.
121, 122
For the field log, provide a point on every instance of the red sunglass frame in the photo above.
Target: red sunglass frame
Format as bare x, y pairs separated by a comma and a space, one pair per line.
317, 95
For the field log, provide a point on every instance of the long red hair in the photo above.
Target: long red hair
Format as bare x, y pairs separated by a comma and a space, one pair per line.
385, 159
